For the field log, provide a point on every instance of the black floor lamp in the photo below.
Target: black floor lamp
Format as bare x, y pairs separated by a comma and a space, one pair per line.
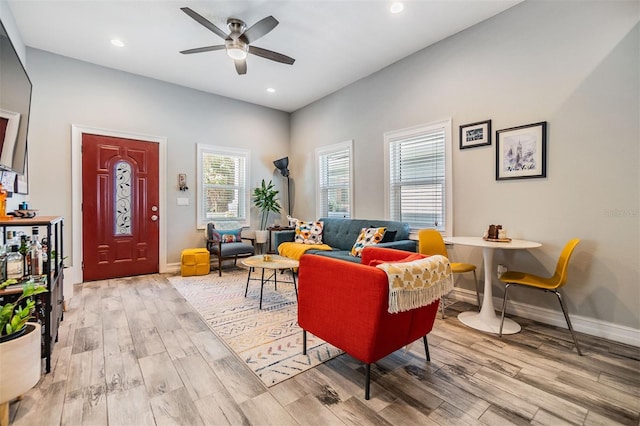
282, 164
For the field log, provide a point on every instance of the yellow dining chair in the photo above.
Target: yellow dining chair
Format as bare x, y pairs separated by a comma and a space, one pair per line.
430, 242
551, 284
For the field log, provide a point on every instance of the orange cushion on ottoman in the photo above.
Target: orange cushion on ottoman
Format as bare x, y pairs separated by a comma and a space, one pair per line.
195, 261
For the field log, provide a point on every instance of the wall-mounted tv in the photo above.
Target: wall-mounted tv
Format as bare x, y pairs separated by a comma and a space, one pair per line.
15, 104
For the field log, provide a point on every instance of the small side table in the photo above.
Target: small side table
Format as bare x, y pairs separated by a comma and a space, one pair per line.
275, 264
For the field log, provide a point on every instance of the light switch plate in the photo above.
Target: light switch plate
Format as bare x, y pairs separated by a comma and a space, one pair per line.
183, 201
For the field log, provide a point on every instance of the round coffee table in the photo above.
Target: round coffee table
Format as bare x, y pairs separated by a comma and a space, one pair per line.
274, 264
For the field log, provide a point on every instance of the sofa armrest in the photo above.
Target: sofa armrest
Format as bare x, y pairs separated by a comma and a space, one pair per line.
280, 237
406, 245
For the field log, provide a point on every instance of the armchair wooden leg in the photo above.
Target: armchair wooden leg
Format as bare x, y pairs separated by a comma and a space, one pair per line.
367, 380
304, 342
219, 266
426, 347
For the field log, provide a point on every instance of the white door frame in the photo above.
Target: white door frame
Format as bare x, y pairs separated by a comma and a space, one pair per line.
75, 272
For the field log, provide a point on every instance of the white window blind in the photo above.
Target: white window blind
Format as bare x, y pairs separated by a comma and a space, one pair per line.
334, 184
223, 193
418, 177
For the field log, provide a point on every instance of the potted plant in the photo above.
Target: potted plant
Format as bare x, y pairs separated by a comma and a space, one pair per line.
265, 199
20, 345
15, 315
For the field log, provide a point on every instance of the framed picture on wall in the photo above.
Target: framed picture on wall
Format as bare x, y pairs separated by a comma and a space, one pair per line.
521, 152
475, 134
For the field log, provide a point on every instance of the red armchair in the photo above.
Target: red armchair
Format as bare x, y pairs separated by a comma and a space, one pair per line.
346, 305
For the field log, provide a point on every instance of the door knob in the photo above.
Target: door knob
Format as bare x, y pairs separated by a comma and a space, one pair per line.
154, 217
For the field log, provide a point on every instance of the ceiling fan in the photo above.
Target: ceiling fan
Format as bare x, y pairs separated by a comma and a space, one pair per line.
237, 42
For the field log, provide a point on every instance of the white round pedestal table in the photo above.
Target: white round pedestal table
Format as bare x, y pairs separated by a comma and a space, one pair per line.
486, 319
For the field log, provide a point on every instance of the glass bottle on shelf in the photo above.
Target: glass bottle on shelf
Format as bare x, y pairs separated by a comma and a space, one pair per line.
14, 264
45, 255
3, 203
36, 252
26, 255
3, 263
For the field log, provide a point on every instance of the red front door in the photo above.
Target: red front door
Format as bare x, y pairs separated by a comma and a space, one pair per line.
120, 215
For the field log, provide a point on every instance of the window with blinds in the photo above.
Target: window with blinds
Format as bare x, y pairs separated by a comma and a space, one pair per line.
222, 176
334, 180
419, 176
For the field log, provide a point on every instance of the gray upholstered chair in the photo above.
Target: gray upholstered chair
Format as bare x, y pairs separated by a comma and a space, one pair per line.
227, 243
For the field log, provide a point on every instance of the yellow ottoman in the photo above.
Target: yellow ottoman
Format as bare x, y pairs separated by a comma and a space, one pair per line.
194, 261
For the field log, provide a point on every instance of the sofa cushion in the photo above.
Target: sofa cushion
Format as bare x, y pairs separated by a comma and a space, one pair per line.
367, 237
308, 232
389, 235
233, 249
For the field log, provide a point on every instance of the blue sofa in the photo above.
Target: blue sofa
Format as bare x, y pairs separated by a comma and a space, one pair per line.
340, 234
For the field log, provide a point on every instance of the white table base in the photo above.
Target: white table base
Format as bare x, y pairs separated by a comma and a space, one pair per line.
486, 319
489, 323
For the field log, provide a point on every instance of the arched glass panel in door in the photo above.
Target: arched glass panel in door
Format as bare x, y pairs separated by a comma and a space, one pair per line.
122, 205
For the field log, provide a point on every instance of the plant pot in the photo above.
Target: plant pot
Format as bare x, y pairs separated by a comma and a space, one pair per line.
262, 236
21, 365
14, 335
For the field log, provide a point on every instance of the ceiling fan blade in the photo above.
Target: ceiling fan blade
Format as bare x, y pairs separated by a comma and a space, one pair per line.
259, 29
241, 66
269, 54
204, 22
203, 49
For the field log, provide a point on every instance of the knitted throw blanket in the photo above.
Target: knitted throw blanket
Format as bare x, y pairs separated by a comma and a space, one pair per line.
417, 283
296, 250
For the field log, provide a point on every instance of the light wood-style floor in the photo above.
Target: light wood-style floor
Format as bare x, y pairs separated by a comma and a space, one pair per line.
133, 352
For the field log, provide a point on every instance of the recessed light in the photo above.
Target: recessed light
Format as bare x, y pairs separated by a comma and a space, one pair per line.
271, 90
396, 7
117, 43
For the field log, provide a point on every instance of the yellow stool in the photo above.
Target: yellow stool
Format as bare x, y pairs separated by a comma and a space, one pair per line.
195, 261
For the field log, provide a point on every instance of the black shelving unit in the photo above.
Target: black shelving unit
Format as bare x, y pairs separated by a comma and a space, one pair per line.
53, 276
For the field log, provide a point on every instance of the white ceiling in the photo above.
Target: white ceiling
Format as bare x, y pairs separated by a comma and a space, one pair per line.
334, 42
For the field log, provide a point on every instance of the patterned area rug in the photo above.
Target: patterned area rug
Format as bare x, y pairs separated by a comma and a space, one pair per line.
268, 339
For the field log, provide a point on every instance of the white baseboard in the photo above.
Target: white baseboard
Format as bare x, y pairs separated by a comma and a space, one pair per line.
173, 267
590, 326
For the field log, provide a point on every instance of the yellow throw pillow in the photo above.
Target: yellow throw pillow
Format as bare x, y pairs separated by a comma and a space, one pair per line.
367, 237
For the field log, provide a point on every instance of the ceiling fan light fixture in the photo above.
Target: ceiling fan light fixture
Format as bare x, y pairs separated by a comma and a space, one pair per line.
236, 49
117, 42
236, 53
397, 7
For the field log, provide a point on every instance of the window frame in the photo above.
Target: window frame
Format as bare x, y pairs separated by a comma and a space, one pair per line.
202, 150
412, 132
325, 151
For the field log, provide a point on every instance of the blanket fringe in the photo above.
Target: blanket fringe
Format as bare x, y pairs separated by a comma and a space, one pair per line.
401, 300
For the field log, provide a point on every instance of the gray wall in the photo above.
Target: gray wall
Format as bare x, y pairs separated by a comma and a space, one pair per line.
67, 91
572, 64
